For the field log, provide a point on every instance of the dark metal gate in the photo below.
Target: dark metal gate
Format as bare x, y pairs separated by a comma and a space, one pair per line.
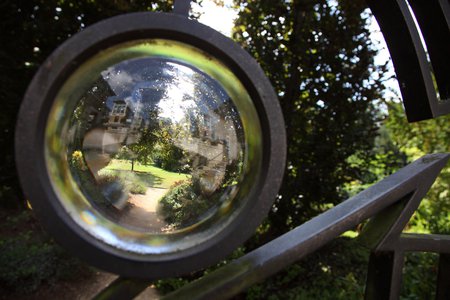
424, 76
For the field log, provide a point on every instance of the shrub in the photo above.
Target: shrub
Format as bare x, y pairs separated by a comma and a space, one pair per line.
29, 258
419, 276
183, 205
10, 194
129, 182
138, 188
170, 158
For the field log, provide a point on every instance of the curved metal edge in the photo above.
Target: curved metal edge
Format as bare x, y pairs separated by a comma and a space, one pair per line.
405, 46
38, 100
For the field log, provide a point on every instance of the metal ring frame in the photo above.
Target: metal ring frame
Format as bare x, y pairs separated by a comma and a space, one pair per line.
41, 95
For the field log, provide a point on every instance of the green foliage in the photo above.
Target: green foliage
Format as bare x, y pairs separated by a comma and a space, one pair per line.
183, 205
143, 149
138, 189
129, 182
419, 276
124, 153
386, 158
86, 181
29, 258
149, 174
416, 140
319, 58
167, 155
335, 272
77, 161
168, 285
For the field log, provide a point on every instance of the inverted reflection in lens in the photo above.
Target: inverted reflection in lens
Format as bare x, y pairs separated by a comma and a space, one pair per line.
158, 145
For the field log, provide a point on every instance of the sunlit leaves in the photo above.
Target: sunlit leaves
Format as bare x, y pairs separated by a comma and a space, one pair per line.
418, 139
318, 55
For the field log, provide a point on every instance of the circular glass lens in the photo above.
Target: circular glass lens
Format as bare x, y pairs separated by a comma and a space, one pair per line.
158, 146
153, 146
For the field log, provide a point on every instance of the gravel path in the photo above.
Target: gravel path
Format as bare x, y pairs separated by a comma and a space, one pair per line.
142, 213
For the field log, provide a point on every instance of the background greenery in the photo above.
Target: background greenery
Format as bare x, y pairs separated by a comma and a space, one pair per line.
343, 135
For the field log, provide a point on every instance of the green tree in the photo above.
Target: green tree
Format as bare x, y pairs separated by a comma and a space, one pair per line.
319, 58
416, 140
143, 149
385, 159
167, 154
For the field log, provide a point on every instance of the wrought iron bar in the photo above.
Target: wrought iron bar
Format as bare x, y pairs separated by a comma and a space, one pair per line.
433, 18
413, 181
122, 289
384, 275
443, 281
437, 243
419, 88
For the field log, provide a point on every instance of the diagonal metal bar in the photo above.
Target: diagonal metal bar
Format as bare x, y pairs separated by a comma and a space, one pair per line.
123, 289
390, 223
301, 241
383, 235
375, 231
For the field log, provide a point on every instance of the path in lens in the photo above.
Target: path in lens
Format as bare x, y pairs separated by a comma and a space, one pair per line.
142, 212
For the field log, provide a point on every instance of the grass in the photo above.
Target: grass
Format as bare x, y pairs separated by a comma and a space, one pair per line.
149, 175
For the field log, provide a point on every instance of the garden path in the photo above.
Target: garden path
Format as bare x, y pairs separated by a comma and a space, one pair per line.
142, 213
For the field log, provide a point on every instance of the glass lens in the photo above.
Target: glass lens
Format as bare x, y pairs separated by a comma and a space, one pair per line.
157, 145
150, 142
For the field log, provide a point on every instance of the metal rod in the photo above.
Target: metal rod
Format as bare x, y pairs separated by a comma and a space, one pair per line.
437, 243
443, 280
384, 275
405, 46
292, 246
123, 289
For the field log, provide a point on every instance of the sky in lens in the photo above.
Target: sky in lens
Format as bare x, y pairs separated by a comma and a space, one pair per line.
161, 83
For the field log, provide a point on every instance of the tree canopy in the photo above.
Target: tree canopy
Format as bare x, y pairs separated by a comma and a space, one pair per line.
320, 60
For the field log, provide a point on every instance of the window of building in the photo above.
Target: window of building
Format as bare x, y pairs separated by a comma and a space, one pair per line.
119, 109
